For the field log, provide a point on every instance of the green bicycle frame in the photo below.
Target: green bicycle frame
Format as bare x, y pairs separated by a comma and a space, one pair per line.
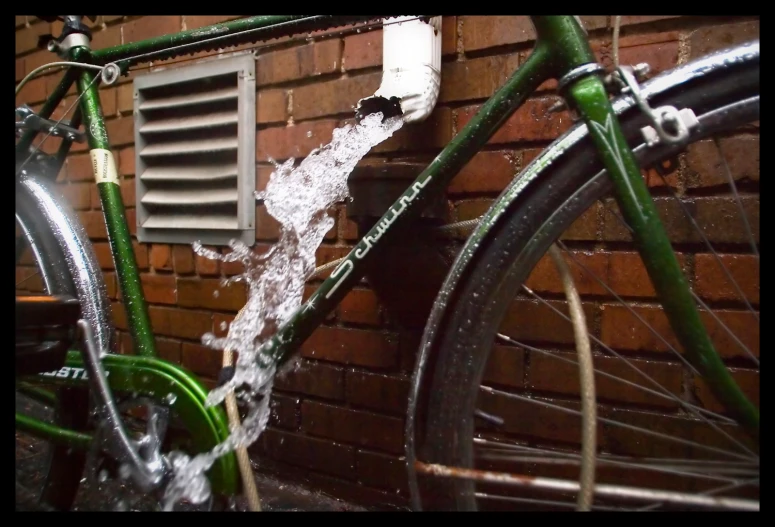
561, 47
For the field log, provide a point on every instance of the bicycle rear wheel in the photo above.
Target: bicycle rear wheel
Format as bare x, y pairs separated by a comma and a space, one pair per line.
49, 476
501, 421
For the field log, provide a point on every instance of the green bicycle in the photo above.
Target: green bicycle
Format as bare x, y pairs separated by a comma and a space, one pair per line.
462, 448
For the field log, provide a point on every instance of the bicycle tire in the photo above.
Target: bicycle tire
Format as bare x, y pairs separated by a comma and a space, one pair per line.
63, 466
556, 198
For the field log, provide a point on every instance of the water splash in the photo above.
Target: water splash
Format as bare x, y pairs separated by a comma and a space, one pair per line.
299, 199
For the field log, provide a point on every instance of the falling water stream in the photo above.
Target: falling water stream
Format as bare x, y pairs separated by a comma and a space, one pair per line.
299, 198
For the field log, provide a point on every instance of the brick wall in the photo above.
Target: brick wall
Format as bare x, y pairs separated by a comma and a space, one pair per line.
338, 417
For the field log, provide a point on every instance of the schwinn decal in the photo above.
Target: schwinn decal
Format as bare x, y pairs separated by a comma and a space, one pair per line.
364, 246
66, 372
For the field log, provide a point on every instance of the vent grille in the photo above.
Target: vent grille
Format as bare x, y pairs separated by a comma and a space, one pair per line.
195, 136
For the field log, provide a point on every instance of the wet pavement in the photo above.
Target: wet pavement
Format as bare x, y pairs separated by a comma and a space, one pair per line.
95, 495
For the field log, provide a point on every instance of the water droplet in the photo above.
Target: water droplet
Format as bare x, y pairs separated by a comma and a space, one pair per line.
103, 476
309, 133
216, 294
171, 398
223, 325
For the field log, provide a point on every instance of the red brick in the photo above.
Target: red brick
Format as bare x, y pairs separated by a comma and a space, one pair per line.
706, 167
201, 292
712, 283
32, 92
267, 228
103, 255
313, 378
141, 252
107, 38
119, 315
161, 257
293, 141
179, 323
376, 391
531, 419
476, 78
748, 380
627, 20
21, 21
529, 123
628, 276
231, 268
481, 32
741, 324
310, 453
360, 306
221, 324
19, 69
94, 224
125, 98
621, 329
379, 470
486, 172
78, 195
262, 177
352, 426
206, 266
285, 412
448, 35
27, 38
708, 39
679, 228
586, 226
362, 50
111, 284
37, 59
304, 61
352, 346
434, 132
197, 21
271, 106
333, 97
533, 321
168, 349
660, 56
585, 267
201, 360
348, 229
121, 131
128, 192
126, 161
131, 220
551, 374
108, 102
159, 289
505, 366
150, 27
183, 259
719, 218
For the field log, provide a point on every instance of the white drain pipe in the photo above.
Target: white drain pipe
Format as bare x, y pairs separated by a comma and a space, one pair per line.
411, 65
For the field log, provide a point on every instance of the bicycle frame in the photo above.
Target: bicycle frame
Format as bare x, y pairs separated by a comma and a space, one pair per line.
561, 51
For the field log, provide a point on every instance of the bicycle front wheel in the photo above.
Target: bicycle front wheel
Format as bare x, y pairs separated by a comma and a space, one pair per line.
502, 420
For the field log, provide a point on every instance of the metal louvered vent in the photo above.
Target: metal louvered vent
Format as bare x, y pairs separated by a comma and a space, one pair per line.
195, 132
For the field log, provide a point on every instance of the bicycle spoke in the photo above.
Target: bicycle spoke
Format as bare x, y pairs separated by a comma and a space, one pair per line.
665, 394
733, 187
613, 422
711, 492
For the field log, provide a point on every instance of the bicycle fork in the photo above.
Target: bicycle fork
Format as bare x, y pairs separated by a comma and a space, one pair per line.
587, 94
